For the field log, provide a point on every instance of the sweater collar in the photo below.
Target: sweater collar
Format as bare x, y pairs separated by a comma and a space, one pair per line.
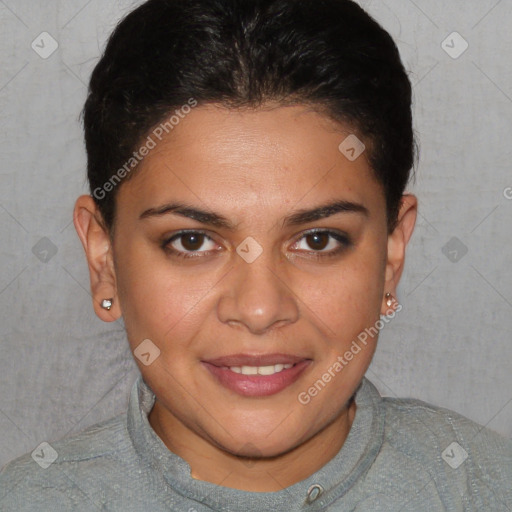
316, 492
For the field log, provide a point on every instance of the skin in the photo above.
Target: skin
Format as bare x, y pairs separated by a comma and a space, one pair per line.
254, 167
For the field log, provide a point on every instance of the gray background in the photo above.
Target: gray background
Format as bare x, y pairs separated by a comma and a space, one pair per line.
62, 369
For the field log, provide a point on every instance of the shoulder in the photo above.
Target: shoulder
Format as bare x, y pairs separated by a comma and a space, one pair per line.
426, 425
59, 473
462, 457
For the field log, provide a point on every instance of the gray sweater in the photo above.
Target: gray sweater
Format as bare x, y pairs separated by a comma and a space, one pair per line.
400, 455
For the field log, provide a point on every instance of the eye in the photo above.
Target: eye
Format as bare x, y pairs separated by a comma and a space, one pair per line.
187, 243
326, 243
319, 243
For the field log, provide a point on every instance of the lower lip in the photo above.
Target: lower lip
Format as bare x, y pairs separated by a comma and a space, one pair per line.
257, 385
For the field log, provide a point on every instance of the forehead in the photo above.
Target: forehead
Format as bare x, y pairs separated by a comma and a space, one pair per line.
264, 156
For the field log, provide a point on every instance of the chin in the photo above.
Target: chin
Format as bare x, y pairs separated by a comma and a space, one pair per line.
261, 450
260, 444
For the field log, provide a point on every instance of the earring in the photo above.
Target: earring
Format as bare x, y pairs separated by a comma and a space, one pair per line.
106, 304
389, 300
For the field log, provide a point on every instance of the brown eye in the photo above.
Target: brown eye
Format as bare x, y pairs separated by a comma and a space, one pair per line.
192, 241
318, 241
189, 243
323, 243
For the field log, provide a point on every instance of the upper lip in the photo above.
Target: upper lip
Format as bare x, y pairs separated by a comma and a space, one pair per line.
255, 360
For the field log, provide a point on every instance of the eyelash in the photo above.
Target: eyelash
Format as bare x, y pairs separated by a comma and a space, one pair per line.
344, 240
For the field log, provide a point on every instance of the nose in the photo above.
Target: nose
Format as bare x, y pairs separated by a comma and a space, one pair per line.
257, 297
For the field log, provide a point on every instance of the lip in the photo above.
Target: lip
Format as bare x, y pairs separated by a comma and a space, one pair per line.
256, 385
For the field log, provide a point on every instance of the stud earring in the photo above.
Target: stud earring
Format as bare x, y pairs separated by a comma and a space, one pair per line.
106, 304
389, 300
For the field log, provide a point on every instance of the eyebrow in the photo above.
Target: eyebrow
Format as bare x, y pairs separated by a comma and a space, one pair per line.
303, 216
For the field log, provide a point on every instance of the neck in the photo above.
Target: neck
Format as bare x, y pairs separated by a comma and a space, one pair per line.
209, 462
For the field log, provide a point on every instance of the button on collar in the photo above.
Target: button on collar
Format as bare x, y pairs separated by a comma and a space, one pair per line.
314, 492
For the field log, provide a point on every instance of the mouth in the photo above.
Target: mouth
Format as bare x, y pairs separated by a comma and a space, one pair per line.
257, 375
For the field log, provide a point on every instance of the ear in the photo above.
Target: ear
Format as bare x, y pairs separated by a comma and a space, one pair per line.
397, 242
98, 249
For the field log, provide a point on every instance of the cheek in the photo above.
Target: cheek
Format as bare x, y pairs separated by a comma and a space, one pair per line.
347, 298
159, 300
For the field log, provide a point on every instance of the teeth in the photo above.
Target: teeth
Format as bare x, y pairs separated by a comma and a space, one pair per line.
266, 370
249, 370
260, 370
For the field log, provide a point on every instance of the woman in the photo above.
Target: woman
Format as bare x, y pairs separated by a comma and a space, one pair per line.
248, 220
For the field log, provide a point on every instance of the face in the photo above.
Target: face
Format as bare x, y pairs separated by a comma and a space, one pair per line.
252, 253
